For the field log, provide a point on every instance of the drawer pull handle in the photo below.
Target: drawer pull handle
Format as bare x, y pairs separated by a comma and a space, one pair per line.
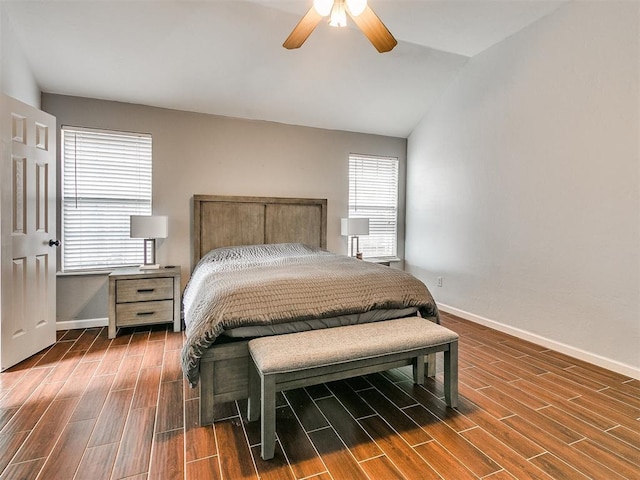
145, 314
145, 290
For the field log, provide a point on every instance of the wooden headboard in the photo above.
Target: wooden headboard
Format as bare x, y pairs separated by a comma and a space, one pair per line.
223, 221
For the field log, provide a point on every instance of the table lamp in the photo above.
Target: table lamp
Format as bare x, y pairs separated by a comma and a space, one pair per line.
354, 227
148, 227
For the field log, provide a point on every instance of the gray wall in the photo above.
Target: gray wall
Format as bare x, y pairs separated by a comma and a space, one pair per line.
523, 186
16, 79
205, 154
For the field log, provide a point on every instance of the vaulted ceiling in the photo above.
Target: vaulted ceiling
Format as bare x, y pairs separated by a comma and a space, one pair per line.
225, 57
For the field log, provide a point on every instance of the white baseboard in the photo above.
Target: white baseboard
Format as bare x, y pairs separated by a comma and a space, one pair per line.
578, 353
86, 323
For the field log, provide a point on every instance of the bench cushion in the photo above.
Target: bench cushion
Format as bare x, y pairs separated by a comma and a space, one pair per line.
331, 346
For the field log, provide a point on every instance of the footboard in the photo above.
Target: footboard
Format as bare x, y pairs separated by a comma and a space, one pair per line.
224, 376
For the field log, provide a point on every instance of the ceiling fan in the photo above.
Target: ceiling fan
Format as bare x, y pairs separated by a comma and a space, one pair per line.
337, 10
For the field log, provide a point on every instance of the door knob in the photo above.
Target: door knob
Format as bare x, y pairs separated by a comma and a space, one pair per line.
54, 243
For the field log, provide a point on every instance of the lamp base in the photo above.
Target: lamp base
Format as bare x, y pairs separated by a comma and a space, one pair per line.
151, 266
149, 255
355, 237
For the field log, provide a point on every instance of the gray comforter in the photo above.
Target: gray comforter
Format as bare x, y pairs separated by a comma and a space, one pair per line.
269, 284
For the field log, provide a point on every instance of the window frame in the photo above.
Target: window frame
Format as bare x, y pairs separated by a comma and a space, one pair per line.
114, 238
364, 210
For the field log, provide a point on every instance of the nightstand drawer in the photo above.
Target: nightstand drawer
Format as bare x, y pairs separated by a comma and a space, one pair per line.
144, 312
142, 290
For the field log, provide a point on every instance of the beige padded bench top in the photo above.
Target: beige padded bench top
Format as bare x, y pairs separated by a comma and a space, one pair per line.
295, 360
332, 346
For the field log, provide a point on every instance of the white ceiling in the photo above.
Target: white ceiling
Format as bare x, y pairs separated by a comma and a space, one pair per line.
225, 56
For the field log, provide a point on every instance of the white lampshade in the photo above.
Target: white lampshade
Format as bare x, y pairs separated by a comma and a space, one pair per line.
354, 226
323, 7
356, 7
148, 226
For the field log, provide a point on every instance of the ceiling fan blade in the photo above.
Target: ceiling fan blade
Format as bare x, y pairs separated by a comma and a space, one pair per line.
374, 30
303, 29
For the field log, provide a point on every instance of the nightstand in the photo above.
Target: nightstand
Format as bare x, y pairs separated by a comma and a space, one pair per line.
142, 297
379, 261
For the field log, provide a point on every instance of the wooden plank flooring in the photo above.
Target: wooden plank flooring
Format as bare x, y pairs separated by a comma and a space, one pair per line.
92, 408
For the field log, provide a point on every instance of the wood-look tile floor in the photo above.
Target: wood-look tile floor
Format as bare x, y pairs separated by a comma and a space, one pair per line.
92, 408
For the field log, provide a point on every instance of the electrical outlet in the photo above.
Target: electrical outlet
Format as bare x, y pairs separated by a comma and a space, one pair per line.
439, 281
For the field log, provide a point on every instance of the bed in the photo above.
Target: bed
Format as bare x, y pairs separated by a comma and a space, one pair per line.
280, 241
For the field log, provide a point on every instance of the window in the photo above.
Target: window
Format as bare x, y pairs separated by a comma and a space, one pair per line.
106, 178
373, 194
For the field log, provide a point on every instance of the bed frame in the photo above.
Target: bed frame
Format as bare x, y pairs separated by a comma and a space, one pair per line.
223, 221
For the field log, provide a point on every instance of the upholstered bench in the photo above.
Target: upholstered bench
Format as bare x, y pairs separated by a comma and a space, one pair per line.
284, 362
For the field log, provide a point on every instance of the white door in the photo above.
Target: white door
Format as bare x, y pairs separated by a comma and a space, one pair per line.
27, 224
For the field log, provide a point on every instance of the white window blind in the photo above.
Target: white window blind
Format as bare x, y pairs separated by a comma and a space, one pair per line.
106, 178
373, 194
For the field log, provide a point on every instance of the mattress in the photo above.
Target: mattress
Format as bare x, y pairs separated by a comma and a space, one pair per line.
315, 324
271, 286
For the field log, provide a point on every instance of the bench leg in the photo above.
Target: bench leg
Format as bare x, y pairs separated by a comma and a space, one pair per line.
418, 370
253, 408
451, 375
431, 365
268, 416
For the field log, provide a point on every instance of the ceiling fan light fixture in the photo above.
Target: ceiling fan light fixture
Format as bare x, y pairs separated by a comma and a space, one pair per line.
338, 14
359, 11
356, 7
323, 7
